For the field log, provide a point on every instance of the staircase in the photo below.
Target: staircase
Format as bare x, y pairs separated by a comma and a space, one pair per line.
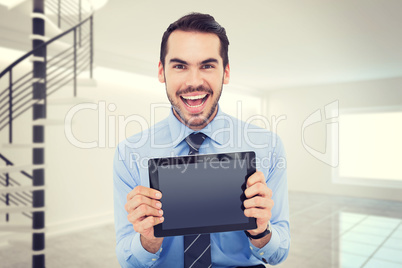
59, 58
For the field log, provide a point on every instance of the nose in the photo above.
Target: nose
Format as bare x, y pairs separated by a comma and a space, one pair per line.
194, 79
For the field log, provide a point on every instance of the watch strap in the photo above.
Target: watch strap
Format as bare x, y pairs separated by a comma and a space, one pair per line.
261, 235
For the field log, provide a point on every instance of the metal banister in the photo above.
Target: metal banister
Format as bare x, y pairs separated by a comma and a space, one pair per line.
6, 70
46, 77
9, 163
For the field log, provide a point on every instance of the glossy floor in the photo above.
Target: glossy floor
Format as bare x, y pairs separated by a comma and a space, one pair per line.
327, 231
332, 231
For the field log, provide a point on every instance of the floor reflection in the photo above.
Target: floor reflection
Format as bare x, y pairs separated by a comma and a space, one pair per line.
343, 232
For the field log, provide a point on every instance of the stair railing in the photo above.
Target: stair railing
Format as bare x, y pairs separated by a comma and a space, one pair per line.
61, 69
20, 198
76, 9
51, 71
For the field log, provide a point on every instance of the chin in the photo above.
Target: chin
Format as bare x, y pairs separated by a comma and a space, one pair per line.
196, 120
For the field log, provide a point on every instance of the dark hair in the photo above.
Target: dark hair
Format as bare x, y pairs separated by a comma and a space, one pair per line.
197, 22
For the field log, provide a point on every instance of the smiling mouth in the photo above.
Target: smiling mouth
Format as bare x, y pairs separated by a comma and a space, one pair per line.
195, 101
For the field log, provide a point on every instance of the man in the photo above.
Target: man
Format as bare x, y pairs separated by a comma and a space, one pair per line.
194, 66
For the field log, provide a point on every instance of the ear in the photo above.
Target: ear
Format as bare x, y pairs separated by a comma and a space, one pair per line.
161, 73
226, 74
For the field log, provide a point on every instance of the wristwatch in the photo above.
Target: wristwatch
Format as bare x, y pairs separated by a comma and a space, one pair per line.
261, 235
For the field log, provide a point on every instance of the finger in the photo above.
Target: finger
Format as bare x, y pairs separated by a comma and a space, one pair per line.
258, 213
144, 211
147, 223
257, 201
258, 176
260, 189
138, 200
152, 221
146, 191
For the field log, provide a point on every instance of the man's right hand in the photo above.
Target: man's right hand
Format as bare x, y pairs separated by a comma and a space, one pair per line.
144, 212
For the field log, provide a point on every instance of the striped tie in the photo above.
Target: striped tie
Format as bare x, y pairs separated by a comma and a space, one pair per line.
197, 248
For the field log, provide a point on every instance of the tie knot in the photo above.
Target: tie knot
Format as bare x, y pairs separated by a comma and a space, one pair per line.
194, 141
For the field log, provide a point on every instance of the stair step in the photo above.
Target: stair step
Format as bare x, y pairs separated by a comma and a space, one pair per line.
23, 145
49, 122
12, 4
38, 252
9, 169
20, 209
36, 58
50, 26
16, 189
52, 49
67, 101
23, 246
61, 62
85, 82
20, 228
55, 47
21, 240
38, 80
20, 243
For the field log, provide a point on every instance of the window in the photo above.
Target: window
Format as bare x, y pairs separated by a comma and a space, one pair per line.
370, 147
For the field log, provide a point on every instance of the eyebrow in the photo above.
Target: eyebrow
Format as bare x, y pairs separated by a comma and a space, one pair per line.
210, 60
178, 61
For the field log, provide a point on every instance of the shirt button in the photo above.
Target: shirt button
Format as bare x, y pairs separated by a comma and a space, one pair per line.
251, 248
261, 253
153, 259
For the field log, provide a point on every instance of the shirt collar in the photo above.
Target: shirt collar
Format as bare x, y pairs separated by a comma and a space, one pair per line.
213, 130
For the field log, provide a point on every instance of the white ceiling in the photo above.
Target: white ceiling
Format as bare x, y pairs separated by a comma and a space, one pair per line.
273, 43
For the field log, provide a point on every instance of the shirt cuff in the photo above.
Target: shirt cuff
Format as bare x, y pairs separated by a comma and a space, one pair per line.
141, 254
270, 248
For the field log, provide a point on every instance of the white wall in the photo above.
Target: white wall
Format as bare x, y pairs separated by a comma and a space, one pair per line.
306, 173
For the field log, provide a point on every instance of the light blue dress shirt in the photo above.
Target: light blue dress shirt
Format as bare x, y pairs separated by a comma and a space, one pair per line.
225, 134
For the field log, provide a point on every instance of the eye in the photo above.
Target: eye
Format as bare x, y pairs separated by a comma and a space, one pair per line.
179, 66
207, 66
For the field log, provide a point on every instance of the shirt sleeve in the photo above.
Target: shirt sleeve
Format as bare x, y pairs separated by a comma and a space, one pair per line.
277, 249
129, 250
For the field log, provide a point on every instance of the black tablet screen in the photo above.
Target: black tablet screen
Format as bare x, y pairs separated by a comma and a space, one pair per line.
202, 194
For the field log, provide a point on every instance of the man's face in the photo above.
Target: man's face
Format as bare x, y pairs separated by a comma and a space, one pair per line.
193, 75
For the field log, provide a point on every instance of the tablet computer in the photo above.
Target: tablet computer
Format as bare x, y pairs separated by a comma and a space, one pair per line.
202, 193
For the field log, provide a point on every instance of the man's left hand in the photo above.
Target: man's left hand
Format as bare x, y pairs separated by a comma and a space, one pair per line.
258, 203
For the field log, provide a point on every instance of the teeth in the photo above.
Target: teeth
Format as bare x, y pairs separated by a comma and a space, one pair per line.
195, 105
194, 97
